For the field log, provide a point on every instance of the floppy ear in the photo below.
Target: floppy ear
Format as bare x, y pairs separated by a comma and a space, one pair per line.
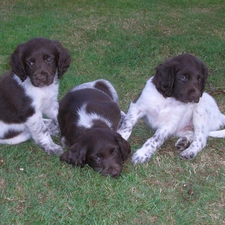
63, 58
76, 155
164, 78
124, 147
17, 62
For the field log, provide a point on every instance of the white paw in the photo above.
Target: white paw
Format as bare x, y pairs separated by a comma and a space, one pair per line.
182, 143
53, 149
125, 134
141, 156
123, 114
188, 154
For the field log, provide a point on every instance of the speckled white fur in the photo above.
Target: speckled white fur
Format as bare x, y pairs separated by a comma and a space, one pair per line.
44, 102
191, 122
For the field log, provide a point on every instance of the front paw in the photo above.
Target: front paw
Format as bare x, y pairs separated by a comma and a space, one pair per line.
53, 149
125, 133
182, 143
187, 154
141, 156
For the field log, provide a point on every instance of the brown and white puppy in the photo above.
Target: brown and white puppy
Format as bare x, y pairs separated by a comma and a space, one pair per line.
88, 118
173, 102
29, 91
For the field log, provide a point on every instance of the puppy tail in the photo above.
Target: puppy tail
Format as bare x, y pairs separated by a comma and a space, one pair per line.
219, 133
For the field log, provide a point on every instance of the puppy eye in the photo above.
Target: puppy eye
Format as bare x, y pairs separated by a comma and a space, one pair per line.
184, 77
48, 59
97, 158
115, 151
30, 62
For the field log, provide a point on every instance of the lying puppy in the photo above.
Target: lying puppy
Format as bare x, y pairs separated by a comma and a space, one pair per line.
29, 90
88, 118
173, 103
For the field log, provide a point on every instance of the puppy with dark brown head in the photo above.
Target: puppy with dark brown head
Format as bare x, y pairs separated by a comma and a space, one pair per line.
89, 117
173, 103
30, 90
182, 77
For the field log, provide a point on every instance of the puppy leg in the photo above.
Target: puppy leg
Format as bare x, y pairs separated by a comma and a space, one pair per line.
52, 111
52, 126
52, 123
196, 146
182, 143
122, 116
201, 122
143, 154
128, 122
41, 135
185, 140
206, 117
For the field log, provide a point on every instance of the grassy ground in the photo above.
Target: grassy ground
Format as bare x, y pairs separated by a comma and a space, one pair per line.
121, 41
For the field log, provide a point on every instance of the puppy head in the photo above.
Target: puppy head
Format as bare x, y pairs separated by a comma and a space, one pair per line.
103, 150
182, 77
40, 59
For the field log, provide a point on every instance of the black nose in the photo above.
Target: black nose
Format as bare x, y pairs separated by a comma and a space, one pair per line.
113, 171
195, 96
41, 78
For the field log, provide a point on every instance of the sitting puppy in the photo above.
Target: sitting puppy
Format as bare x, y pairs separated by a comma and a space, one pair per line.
88, 118
173, 103
29, 90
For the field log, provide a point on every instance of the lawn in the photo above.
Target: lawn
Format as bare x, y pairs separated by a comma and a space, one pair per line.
122, 41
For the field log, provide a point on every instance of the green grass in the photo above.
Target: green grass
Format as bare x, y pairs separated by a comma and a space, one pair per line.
122, 41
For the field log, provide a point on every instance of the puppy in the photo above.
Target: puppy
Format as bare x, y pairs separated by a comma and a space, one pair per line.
173, 102
29, 90
88, 118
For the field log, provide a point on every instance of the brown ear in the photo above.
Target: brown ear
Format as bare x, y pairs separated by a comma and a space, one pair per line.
164, 78
17, 64
124, 147
76, 155
63, 58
